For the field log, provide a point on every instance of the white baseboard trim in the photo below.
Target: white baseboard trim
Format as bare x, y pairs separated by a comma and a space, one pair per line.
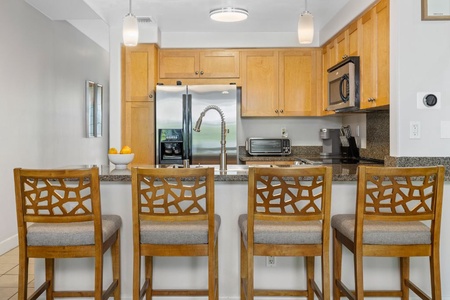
8, 244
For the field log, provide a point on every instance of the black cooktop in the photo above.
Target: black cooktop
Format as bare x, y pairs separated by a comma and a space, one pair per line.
338, 160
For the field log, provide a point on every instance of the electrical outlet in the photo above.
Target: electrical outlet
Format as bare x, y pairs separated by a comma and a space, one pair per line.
414, 130
284, 132
270, 261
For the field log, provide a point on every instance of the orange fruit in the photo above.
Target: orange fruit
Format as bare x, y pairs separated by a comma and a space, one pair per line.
125, 150
112, 151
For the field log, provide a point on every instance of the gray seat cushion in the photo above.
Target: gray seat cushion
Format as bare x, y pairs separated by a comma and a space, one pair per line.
177, 233
283, 233
70, 234
385, 232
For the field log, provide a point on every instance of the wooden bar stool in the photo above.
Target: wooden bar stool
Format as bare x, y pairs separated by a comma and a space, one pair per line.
288, 215
59, 216
173, 215
392, 205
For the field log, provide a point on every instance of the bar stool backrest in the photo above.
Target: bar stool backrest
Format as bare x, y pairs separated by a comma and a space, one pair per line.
400, 194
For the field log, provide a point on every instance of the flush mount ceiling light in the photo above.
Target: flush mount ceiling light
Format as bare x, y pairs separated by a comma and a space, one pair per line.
228, 14
130, 29
305, 26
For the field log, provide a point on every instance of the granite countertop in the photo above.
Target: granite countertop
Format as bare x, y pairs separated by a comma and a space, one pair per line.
341, 172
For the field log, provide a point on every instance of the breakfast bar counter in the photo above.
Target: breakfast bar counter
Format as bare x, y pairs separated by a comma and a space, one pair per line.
341, 172
230, 202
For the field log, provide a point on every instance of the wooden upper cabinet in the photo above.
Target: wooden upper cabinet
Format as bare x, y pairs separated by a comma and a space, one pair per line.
367, 62
353, 39
185, 64
280, 83
382, 54
298, 82
259, 75
342, 46
375, 57
139, 65
323, 103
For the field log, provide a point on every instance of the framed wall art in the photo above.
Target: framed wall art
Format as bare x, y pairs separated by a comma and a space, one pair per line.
94, 109
435, 10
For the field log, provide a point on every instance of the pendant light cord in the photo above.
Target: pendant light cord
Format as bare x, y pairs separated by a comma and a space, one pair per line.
130, 7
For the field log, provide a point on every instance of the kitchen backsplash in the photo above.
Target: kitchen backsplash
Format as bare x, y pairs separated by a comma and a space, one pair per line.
377, 140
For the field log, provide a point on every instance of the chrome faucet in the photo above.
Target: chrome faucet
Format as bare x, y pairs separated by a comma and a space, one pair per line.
223, 152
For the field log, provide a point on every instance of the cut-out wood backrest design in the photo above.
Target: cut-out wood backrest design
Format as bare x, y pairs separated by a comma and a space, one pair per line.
285, 193
172, 195
399, 191
60, 195
278, 195
48, 196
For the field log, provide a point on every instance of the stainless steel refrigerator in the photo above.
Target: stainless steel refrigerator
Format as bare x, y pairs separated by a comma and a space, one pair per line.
177, 110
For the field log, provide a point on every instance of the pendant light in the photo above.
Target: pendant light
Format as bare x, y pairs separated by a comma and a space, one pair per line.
228, 14
130, 29
305, 26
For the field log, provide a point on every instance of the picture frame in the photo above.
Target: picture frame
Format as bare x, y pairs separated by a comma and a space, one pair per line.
435, 10
94, 109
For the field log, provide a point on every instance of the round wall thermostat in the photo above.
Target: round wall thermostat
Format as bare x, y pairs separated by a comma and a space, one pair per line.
430, 100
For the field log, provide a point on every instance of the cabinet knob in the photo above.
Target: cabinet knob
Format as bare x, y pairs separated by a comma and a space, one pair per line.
344, 56
281, 111
196, 72
201, 73
276, 110
150, 96
371, 99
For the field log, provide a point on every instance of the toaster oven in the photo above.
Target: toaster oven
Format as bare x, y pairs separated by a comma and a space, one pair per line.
268, 146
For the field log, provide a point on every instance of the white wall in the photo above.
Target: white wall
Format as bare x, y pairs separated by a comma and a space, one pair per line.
420, 62
44, 66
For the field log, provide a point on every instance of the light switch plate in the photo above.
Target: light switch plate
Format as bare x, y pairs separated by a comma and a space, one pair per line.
445, 129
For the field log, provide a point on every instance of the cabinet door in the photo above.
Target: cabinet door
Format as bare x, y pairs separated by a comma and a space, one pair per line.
219, 64
139, 72
140, 131
179, 64
324, 95
367, 61
353, 38
382, 53
139, 66
342, 46
259, 74
332, 53
375, 57
298, 82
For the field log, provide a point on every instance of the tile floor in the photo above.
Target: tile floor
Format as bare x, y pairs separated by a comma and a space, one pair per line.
9, 266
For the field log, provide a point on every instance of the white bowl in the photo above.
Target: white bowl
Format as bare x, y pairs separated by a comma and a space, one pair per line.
121, 160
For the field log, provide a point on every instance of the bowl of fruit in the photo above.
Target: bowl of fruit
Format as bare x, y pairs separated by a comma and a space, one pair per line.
120, 159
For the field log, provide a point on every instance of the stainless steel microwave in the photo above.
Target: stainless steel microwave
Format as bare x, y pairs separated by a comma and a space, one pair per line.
343, 85
268, 146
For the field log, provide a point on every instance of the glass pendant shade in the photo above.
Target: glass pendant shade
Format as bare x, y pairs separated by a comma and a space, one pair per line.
130, 30
228, 14
305, 28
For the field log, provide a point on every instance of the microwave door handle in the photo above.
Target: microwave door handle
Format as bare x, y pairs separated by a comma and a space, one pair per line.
344, 84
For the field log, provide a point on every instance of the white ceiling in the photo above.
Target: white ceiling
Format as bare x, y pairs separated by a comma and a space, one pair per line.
193, 15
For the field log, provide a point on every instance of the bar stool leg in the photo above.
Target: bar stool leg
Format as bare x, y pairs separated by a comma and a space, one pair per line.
244, 276
50, 276
337, 266
404, 277
309, 263
149, 277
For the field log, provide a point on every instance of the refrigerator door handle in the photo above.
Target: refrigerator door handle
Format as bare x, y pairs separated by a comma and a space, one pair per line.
187, 126
189, 123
